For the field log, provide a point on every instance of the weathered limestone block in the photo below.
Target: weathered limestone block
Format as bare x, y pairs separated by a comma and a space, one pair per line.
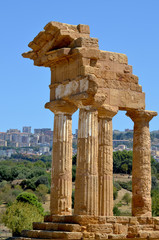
117, 236
99, 236
123, 219
71, 88
86, 185
103, 228
120, 228
55, 35
74, 56
127, 99
40, 234
141, 170
50, 226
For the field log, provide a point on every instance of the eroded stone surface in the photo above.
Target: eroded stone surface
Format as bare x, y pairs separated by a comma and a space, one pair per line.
79, 68
61, 177
141, 169
99, 83
105, 166
86, 185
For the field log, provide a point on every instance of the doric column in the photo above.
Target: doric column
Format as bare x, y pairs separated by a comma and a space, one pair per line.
105, 166
86, 186
141, 169
61, 178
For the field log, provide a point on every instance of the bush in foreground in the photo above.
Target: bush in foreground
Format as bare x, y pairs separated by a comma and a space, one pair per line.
20, 216
30, 198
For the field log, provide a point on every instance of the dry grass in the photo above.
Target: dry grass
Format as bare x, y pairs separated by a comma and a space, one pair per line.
122, 177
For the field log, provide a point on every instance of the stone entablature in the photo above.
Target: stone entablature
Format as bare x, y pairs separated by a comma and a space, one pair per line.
99, 83
83, 74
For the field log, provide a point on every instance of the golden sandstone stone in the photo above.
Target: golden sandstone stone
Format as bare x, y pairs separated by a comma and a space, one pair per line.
99, 83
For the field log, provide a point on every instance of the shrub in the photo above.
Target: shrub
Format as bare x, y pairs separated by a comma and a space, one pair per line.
155, 203
28, 184
73, 198
41, 192
30, 198
116, 211
115, 193
153, 182
20, 216
126, 198
73, 173
126, 185
42, 180
74, 159
117, 185
124, 168
8, 195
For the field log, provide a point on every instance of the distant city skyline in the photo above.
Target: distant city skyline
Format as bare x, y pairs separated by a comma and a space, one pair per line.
121, 26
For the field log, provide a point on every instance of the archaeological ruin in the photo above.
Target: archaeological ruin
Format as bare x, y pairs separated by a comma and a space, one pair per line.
99, 84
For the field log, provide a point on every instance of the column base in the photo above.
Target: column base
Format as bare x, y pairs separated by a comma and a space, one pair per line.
89, 227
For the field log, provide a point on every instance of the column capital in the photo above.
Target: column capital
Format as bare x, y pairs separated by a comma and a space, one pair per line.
141, 115
61, 106
88, 108
107, 111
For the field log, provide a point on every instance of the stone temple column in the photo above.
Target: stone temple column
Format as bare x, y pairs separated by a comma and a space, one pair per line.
141, 169
105, 161
86, 186
61, 179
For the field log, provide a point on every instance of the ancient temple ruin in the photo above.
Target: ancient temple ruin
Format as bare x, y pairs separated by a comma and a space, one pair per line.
99, 84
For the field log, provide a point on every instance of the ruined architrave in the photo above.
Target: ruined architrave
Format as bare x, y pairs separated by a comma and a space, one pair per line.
99, 84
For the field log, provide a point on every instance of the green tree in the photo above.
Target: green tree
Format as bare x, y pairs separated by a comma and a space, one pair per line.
115, 193
116, 211
5, 173
154, 183
120, 158
40, 164
29, 184
124, 168
74, 159
8, 194
73, 198
126, 185
73, 173
32, 199
126, 198
155, 203
42, 180
117, 185
20, 216
41, 192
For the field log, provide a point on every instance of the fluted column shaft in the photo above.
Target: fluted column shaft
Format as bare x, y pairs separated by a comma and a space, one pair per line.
141, 169
105, 167
86, 186
61, 179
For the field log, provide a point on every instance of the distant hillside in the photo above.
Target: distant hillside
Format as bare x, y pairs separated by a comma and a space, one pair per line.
126, 138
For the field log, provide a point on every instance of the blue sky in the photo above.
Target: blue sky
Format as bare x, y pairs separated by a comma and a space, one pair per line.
130, 27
